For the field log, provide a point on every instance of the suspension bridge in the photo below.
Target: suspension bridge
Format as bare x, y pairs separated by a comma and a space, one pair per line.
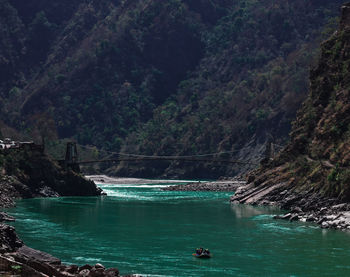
72, 159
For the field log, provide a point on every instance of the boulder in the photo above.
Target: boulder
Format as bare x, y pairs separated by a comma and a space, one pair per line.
87, 266
72, 269
294, 217
8, 265
112, 272
97, 272
323, 210
37, 255
340, 207
46, 191
9, 240
311, 218
84, 273
297, 210
99, 266
287, 216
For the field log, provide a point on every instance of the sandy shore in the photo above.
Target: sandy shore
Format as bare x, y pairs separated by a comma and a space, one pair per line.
180, 185
104, 179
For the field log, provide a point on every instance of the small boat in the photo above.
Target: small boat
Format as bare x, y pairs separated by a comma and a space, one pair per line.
202, 255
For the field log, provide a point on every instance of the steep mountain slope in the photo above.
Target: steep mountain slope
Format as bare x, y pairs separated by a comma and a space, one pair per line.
314, 169
244, 93
159, 77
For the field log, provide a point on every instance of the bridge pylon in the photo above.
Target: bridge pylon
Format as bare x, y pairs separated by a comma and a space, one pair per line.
71, 158
71, 152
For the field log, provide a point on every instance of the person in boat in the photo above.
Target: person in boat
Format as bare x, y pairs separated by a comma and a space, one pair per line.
199, 251
206, 252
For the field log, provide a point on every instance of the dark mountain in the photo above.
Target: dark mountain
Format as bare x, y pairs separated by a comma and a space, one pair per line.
244, 93
160, 77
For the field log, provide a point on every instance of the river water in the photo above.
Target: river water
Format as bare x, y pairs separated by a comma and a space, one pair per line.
141, 229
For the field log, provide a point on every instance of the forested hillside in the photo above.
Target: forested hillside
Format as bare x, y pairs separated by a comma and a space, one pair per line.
315, 164
175, 77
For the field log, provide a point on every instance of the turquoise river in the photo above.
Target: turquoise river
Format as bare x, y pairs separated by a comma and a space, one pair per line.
143, 230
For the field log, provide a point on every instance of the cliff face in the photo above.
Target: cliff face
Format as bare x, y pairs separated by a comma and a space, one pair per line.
314, 169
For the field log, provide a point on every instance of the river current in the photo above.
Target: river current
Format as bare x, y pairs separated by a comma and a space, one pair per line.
141, 229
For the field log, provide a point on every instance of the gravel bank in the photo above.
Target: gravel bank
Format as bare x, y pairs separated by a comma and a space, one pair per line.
207, 186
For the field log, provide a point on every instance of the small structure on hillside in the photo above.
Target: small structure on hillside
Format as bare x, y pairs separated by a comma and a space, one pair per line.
9, 144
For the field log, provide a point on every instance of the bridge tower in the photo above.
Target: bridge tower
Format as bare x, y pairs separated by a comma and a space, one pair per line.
71, 159
71, 152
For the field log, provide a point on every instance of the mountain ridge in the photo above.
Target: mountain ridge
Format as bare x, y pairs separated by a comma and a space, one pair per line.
160, 78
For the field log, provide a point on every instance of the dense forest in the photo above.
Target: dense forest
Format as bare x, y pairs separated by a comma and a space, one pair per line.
154, 77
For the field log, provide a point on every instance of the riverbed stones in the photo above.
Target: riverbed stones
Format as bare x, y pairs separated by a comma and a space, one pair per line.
297, 210
340, 207
287, 216
84, 273
294, 217
311, 218
46, 191
112, 272
207, 186
87, 266
308, 207
97, 272
72, 269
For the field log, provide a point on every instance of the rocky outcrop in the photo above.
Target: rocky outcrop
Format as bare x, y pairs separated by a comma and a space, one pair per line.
312, 174
25, 261
8, 239
30, 173
207, 186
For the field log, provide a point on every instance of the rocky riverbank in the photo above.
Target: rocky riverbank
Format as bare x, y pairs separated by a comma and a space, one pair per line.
28, 174
208, 186
303, 206
311, 176
16, 259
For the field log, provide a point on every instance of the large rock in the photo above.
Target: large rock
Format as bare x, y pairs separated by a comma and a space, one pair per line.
42, 257
9, 240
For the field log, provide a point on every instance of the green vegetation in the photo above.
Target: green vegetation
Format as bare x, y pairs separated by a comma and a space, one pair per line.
318, 157
16, 268
151, 77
